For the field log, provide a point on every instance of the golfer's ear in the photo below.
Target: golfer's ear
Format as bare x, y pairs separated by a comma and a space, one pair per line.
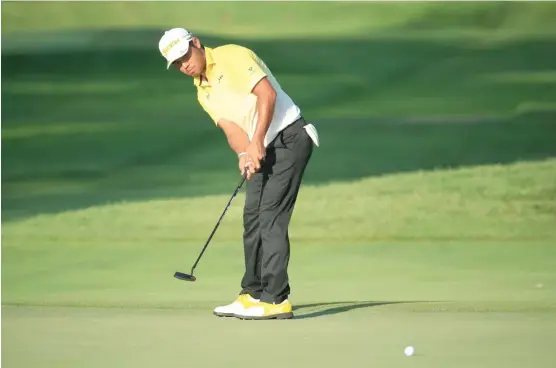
196, 42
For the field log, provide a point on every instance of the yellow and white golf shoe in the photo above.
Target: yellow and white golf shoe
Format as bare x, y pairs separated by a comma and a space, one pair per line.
262, 310
236, 307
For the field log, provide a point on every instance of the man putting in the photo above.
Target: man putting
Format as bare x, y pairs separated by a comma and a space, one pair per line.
273, 143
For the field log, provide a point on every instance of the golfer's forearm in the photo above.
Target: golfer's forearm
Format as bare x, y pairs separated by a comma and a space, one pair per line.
238, 140
265, 108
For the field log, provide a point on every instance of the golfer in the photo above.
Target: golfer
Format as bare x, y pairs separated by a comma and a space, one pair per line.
273, 143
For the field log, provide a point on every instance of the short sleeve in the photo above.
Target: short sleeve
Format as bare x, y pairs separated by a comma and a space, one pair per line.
245, 68
212, 114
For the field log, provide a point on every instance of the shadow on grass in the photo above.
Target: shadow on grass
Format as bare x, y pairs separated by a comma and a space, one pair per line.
124, 128
330, 308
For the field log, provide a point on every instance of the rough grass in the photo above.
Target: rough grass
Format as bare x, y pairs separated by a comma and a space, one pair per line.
302, 20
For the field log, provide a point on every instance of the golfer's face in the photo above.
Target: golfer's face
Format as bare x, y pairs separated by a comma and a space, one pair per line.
191, 63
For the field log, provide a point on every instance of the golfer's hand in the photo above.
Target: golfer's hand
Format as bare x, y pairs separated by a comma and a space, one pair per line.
257, 152
246, 164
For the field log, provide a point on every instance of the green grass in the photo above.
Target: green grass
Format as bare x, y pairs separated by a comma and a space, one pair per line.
287, 19
375, 336
467, 303
427, 217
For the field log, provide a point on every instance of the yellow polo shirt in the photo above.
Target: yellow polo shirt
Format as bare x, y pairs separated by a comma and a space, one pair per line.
232, 72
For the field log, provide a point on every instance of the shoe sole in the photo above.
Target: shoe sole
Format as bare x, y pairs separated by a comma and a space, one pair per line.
223, 314
273, 316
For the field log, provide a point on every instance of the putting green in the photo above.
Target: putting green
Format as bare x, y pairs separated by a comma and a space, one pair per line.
67, 337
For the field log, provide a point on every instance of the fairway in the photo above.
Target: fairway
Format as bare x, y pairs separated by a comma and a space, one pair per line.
427, 217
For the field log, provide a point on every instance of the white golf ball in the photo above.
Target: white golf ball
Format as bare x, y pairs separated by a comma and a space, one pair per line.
409, 350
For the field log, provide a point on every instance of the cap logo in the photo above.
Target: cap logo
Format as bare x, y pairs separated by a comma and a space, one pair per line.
169, 46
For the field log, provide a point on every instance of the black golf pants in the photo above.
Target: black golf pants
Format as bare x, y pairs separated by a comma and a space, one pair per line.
271, 195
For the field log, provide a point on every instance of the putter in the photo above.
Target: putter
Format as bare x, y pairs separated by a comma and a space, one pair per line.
190, 277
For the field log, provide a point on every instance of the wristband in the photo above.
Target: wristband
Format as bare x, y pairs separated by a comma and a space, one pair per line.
241, 154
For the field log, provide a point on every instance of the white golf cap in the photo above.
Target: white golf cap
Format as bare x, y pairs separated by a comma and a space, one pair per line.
174, 43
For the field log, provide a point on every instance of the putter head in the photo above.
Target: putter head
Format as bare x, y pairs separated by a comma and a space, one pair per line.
184, 276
